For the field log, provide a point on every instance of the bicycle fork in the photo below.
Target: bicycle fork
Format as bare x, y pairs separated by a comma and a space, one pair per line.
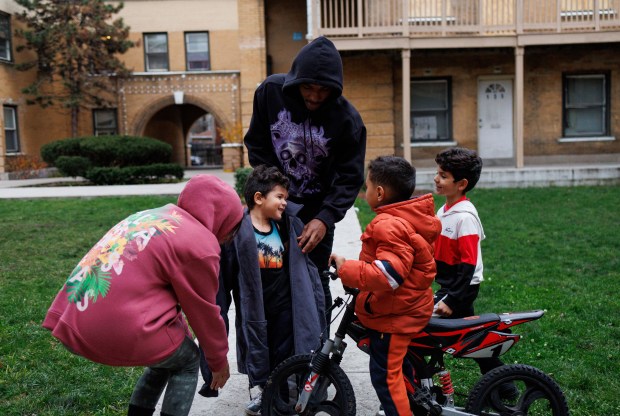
318, 365
320, 362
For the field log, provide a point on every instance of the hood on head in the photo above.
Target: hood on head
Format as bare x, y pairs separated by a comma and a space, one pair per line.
212, 202
317, 63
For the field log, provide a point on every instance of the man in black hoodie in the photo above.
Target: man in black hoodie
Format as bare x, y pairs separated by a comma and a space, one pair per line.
303, 125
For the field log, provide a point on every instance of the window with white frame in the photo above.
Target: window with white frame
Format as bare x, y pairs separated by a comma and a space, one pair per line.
105, 122
586, 105
5, 37
431, 110
11, 134
156, 51
197, 51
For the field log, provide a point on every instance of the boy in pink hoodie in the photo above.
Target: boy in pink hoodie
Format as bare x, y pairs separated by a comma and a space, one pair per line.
124, 303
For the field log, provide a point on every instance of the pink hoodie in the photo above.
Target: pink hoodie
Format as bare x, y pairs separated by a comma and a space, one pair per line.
122, 303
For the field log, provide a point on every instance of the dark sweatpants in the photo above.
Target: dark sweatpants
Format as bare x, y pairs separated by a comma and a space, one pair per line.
388, 370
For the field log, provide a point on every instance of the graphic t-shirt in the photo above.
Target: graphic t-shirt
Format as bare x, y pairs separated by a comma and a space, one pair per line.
272, 258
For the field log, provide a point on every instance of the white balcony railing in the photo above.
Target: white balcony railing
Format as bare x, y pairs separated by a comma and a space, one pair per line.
423, 18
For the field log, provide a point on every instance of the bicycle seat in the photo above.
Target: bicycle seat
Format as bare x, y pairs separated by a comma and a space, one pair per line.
443, 324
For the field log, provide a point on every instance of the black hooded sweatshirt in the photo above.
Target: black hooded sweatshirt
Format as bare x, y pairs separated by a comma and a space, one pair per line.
322, 152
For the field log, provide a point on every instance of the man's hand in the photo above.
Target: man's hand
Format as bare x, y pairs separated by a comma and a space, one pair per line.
443, 310
311, 235
220, 377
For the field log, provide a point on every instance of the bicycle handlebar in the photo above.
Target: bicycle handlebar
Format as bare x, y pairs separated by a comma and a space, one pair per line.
334, 276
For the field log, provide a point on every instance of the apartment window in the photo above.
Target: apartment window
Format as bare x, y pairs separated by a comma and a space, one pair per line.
11, 134
156, 51
430, 110
105, 122
5, 37
586, 105
197, 51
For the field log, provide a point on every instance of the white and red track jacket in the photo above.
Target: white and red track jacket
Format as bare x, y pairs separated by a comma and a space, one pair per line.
457, 250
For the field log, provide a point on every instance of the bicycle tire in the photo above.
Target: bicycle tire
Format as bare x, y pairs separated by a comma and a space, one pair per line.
287, 380
539, 394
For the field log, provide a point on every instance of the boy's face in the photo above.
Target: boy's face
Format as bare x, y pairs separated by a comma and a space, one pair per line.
446, 186
373, 195
273, 204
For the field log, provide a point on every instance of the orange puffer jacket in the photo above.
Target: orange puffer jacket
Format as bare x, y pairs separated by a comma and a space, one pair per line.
396, 267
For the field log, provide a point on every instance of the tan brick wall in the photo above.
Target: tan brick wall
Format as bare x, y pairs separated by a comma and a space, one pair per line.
283, 18
543, 96
240, 39
369, 87
36, 126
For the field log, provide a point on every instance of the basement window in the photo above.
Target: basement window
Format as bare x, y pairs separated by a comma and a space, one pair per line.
431, 110
585, 111
11, 134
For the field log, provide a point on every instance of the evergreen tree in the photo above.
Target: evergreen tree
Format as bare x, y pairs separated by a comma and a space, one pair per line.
77, 46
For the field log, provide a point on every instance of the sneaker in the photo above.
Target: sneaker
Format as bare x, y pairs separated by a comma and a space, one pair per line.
253, 408
381, 412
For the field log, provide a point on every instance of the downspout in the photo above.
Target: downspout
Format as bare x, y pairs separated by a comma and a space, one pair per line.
310, 20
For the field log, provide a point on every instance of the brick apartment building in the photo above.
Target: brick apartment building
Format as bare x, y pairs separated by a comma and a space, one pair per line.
523, 81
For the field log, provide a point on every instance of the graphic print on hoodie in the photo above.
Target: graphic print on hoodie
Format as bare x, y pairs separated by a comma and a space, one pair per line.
92, 277
300, 149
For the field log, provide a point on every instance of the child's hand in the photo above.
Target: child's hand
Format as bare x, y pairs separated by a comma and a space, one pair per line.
443, 310
336, 260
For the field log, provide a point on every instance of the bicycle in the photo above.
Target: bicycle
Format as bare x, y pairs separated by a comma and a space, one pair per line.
312, 384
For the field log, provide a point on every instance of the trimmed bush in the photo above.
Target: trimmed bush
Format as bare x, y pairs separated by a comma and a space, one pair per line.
134, 174
110, 150
125, 151
241, 177
66, 147
73, 165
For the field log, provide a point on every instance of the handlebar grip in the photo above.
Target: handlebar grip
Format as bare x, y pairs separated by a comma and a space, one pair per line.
330, 274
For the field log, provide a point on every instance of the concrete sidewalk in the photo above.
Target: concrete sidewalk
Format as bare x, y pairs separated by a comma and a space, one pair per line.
40, 188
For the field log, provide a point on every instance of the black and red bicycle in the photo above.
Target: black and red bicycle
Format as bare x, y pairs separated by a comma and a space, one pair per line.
315, 384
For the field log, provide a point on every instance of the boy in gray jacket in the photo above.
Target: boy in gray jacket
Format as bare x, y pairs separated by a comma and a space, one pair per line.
278, 295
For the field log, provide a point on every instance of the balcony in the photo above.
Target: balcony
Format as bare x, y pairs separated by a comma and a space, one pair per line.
389, 24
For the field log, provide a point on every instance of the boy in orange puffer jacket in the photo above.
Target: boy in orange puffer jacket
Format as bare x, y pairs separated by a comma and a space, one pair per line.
394, 274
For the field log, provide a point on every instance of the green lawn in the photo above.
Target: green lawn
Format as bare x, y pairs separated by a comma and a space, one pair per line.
555, 249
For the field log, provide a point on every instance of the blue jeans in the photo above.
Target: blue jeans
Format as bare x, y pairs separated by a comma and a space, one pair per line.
179, 372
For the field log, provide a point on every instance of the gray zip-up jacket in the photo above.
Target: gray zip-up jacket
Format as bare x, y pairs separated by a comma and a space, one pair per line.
241, 275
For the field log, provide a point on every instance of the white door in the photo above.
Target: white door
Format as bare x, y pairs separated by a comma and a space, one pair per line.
495, 132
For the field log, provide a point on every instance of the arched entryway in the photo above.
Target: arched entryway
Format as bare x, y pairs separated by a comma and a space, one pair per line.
191, 128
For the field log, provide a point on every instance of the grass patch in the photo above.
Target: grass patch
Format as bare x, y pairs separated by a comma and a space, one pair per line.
554, 249
41, 241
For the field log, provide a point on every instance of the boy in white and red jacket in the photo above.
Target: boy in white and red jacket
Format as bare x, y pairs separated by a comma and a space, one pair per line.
457, 250
394, 273
123, 304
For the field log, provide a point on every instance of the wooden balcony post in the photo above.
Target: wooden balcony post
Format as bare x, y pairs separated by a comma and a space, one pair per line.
406, 60
519, 16
360, 19
404, 17
519, 103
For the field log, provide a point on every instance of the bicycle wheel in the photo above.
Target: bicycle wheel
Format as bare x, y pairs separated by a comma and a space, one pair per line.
536, 393
286, 382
